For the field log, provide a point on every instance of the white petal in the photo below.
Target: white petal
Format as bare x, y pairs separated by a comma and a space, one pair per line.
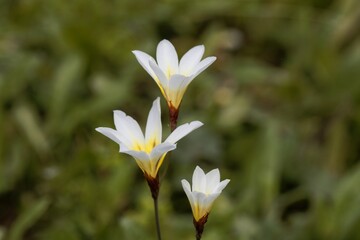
141, 158
160, 149
198, 180
182, 131
199, 209
135, 129
222, 185
186, 186
129, 128
199, 198
143, 59
153, 130
125, 140
163, 81
119, 117
124, 148
167, 58
202, 66
114, 135
209, 201
190, 60
139, 155
177, 88
157, 156
212, 180
110, 133
177, 82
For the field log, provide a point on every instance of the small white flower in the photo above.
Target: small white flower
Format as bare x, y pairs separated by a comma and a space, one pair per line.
172, 76
205, 189
149, 151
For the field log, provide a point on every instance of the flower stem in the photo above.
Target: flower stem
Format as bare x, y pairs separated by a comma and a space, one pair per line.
199, 230
199, 226
173, 115
154, 186
157, 218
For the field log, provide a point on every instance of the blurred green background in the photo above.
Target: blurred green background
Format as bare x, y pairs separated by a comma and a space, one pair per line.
281, 107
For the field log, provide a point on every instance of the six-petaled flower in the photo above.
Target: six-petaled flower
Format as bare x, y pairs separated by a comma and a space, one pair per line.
205, 189
172, 76
148, 151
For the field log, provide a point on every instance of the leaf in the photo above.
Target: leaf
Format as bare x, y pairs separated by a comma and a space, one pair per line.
28, 218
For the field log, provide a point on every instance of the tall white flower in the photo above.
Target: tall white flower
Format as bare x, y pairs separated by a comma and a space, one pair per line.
148, 151
172, 76
205, 189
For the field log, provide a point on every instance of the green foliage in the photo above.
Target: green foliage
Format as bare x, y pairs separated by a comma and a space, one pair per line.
280, 107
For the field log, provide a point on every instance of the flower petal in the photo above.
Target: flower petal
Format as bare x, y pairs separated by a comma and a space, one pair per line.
202, 66
177, 82
212, 180
199, 209
130, 129
209, 201
139, 155
153, 132
190, 59
119, 119
222, 185
186, 186
167, 58
124, 148
110, 133
141, 158
143, 59
158, 154
162, 80
160, 149
182, 131
177, 87
198, 180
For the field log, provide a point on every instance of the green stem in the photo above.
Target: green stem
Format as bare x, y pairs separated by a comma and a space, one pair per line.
157, 218
154, 186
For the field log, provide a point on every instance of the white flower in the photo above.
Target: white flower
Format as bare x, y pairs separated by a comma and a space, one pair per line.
172, 76
149, 151
205, 189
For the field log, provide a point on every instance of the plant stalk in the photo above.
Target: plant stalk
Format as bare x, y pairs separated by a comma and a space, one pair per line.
154, 186
199, 226
157, 218
173, 115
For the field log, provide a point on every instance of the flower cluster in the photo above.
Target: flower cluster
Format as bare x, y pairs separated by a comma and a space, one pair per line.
148, 149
